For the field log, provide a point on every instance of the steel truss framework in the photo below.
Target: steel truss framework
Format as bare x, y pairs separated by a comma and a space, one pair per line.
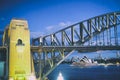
99, 33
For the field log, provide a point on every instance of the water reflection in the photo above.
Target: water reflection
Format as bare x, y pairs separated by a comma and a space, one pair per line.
60, 77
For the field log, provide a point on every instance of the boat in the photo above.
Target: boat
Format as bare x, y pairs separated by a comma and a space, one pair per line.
85, 62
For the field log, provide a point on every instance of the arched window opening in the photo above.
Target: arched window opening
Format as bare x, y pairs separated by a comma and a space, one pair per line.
20, 42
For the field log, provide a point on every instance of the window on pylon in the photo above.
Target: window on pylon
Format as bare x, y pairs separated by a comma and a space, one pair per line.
20, 42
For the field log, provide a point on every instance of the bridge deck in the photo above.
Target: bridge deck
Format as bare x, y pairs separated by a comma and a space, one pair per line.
70, 48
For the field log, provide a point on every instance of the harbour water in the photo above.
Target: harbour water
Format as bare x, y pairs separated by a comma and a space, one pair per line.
101, 72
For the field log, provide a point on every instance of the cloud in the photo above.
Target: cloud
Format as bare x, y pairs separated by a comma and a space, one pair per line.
65, 24
36, 34
62, 24
51, 29
54, 28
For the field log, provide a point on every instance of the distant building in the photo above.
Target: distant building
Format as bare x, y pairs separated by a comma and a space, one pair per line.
118, 54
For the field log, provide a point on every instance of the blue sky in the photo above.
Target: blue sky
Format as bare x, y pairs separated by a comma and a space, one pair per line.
47, 16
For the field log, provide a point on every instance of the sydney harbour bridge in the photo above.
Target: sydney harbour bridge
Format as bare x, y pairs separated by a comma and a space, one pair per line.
98, 33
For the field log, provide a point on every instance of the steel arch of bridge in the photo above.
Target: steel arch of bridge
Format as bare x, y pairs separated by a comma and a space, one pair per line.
101, 30
82, 31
